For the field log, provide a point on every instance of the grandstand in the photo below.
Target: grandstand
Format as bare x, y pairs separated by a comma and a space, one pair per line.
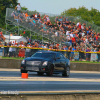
39, 29
50, 31
62, 32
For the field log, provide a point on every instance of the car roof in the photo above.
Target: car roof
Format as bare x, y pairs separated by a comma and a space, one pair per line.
46, 51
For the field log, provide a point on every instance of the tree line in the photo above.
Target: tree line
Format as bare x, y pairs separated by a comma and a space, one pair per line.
92, 16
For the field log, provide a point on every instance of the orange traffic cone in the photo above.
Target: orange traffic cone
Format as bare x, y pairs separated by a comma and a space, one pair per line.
24, 75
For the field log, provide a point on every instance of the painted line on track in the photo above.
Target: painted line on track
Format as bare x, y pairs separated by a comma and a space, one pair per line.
48, 79
88, 72
57, 92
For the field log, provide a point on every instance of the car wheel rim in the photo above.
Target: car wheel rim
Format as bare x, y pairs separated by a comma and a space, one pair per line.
67, 71
51, 71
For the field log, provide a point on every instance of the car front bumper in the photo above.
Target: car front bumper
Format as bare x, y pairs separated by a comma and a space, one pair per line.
35, 68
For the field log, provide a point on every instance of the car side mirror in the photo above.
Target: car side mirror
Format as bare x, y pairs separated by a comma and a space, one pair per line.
58, 58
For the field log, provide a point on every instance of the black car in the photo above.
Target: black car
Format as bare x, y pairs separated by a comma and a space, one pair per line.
48, 62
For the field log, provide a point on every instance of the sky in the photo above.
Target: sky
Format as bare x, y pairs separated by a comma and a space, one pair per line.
58, 6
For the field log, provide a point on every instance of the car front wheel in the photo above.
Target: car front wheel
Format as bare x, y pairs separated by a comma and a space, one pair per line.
66, 71
50, 71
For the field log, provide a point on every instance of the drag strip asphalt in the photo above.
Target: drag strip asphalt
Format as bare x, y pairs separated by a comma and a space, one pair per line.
10, 80
47, 86
76, 74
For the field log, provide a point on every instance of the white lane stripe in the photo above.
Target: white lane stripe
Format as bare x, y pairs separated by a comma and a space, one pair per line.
48, 83
92, 72
48, 79
55, 92
71, 91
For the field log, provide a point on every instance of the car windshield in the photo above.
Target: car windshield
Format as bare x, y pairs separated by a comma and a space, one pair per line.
43, 55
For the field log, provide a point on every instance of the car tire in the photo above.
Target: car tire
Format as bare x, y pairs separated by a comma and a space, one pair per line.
66, 72
40, 73
50, 71
23, 71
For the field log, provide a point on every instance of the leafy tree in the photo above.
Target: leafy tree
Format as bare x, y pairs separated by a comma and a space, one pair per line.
3, 5
92, 15
24, 8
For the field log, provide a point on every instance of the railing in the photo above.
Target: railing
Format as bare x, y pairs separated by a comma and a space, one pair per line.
43, 30
38, 28
20, 51
70, 18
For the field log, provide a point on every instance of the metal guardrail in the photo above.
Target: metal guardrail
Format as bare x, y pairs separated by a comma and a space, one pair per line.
19, 51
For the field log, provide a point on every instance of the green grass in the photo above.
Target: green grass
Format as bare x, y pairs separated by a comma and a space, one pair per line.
70, 61
85, 62
12, 58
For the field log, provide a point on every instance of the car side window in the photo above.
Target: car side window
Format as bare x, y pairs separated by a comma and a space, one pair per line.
61, 56
57, 55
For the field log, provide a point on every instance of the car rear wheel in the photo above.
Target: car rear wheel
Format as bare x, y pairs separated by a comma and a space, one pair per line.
23, 71
66, 71
40, 73
50, 71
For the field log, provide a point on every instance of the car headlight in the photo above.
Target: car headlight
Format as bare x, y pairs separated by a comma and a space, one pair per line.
45, 63
23, 61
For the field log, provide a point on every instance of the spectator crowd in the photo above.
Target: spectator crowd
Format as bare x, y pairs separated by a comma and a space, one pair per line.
73, 37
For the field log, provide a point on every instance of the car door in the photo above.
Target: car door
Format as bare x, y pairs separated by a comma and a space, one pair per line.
62, 61
57, 62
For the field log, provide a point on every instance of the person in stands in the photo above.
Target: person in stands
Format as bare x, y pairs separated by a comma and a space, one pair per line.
18, 8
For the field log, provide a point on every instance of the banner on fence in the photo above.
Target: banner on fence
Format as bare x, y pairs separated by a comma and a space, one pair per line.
93, 57
76, 55
21, 53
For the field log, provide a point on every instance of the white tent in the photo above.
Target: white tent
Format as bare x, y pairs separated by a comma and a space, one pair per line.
9, 38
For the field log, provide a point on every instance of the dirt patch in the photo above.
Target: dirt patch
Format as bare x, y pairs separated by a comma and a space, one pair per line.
53, 97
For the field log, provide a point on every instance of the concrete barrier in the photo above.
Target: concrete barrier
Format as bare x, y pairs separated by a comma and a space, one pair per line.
15, 64
85, 66
10, 63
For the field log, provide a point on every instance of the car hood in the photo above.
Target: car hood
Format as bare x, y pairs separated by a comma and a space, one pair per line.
37, 59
